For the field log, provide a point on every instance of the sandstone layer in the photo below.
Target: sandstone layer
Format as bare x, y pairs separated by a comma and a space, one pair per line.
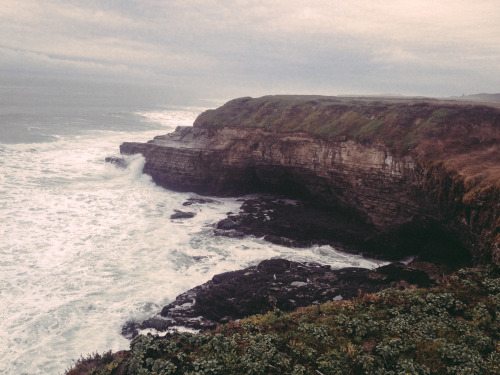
410, 169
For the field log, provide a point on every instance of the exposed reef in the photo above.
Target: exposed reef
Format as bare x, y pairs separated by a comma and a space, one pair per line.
423, 174
294, 223
273, 284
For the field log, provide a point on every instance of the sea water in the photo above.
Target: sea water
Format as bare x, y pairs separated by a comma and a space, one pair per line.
86, 246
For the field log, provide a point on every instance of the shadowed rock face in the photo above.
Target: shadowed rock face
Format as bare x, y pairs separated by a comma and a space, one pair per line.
301, 223
428, 188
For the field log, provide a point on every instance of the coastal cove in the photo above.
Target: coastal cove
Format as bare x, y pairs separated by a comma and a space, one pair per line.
249, 187
394, 179
88, 245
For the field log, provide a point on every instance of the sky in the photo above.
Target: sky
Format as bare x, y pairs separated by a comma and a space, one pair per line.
230, 48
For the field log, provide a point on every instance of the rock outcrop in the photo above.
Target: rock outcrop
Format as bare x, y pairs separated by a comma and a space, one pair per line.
273, 284
413, 170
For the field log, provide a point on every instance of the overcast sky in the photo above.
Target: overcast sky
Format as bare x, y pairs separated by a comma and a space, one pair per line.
230, 48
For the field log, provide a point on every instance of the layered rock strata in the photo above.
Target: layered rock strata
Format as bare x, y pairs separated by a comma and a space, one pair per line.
409, 169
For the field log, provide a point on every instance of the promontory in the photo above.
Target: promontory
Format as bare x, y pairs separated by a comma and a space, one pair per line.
419, 172
389, 177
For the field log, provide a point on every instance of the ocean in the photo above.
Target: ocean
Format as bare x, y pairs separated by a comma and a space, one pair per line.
85, 245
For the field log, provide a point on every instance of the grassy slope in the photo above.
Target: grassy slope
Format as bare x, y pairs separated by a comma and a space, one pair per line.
451, 329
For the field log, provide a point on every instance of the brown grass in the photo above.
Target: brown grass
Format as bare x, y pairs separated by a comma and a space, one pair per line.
464, 136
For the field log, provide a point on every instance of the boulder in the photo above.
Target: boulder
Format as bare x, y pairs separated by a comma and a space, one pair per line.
182, 215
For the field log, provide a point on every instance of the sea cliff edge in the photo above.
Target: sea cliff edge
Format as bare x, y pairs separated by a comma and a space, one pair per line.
422, 173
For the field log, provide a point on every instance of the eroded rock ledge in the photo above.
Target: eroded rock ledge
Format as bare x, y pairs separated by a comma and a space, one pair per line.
407, 168
273, 284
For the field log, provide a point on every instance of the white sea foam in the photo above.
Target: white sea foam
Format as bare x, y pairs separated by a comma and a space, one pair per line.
168, 118
86, 246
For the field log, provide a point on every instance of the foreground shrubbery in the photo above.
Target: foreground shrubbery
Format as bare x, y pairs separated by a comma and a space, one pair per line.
451, 329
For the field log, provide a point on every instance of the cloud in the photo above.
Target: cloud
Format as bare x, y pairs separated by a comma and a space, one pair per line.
281, 45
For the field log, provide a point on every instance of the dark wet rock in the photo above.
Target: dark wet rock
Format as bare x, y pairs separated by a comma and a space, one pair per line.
302, 223
275, 283
230, 228
192, 201
395, 273
297, 223
119, 162
182, 215
227, 224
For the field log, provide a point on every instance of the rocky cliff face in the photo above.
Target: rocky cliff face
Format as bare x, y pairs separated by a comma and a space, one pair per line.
410, 170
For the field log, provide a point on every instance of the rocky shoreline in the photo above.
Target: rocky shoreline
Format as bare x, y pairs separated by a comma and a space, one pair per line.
360, 185
407, 169
270, 285
384, 178
278, 283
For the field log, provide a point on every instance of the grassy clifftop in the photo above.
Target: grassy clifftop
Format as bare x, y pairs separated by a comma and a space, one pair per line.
427, 128
450, 329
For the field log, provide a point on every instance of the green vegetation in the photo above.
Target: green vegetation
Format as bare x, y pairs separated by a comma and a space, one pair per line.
402, 124
450, 329
96, 364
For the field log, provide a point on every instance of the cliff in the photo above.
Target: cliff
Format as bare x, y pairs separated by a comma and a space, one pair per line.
411, 169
